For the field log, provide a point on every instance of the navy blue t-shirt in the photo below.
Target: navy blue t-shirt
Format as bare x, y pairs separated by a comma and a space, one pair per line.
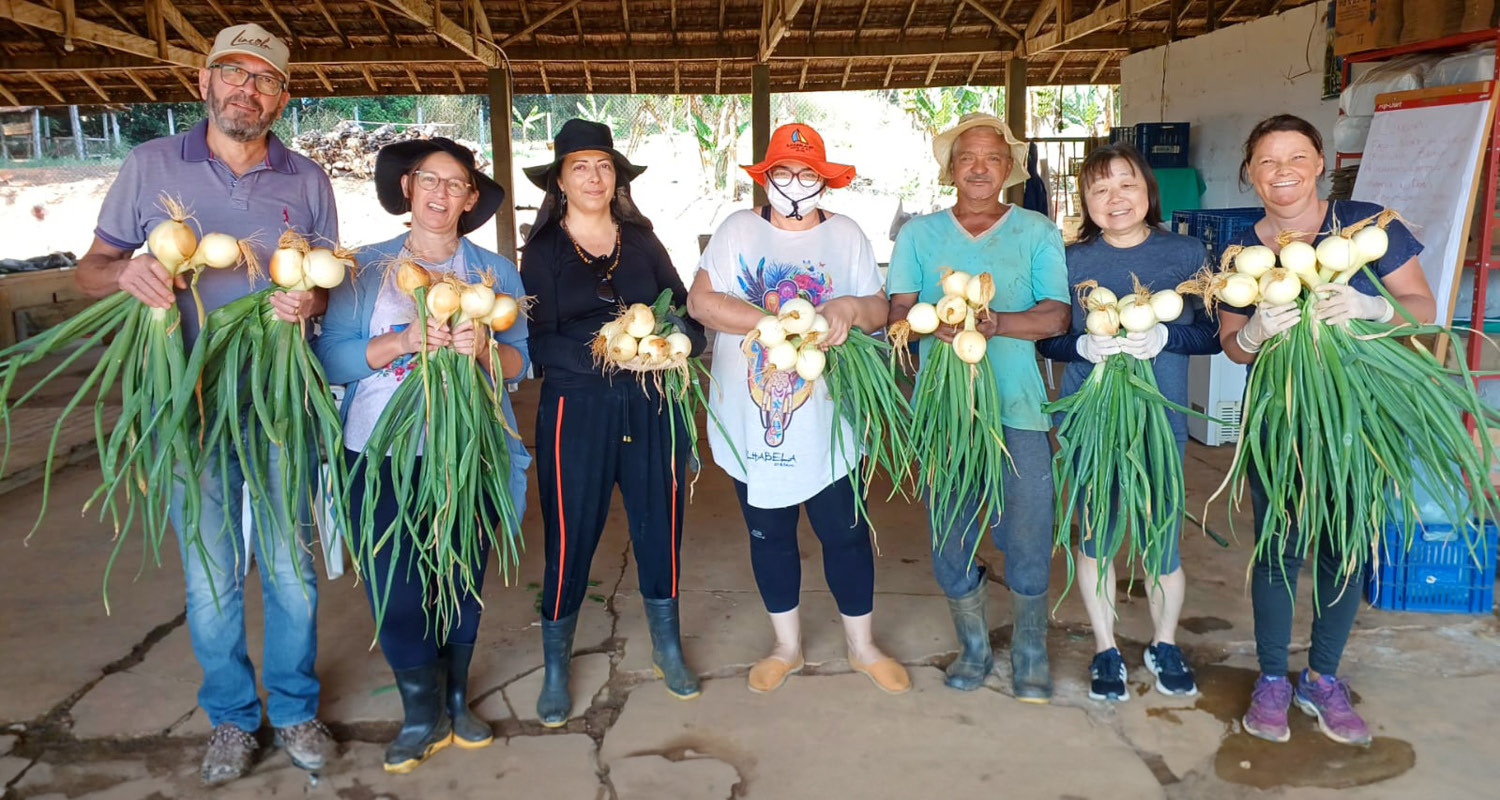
1162, 261
1402, 248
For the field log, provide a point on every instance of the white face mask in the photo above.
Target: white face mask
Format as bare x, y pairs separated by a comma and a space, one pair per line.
795, 206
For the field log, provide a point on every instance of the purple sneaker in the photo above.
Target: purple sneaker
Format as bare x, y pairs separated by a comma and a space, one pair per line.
1327, 698
1269, 701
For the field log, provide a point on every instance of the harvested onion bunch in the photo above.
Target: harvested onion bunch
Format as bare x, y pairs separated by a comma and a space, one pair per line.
146, 452
457, 502
859, 378
1342, 424
268, 402
957, 440
643, 339
1117, 466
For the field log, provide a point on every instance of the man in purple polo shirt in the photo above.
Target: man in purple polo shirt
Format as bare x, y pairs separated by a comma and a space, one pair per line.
236, 178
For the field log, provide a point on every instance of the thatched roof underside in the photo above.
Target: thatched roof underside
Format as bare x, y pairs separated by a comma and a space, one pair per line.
119, 51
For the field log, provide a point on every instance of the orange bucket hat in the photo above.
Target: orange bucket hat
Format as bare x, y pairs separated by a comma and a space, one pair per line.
799, 142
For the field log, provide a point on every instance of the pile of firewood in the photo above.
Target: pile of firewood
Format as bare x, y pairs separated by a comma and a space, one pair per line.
349, 149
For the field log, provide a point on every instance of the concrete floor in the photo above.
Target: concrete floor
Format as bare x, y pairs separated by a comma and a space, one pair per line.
96, 706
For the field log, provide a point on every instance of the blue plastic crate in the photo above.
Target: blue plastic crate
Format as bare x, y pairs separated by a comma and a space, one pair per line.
1164, 144
1434, 577
1122, 133
1216, 227
1182, 221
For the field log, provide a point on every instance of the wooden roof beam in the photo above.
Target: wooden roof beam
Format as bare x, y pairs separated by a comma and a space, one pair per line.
567, 6
9, 98
275, 15
890, 66
1104, 60
70, 22
93, 84
1039, 17
997, 19
426, 13
385, 26
858, 29
186, 84
625, 18
776, 20
932, 69
44, 18
458, 78
974, 70
115, 12
140, 84
332, 23
323, 78
185, 29
1110, 15
370, 79
52, 90
1062, 58
219, 9
416, 86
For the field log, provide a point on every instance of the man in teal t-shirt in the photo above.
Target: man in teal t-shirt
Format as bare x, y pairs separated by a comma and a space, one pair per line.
1023, 252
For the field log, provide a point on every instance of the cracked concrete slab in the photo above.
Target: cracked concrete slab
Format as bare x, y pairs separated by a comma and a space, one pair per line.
686, 777
587, 677
7, 742
839, 736
10, 767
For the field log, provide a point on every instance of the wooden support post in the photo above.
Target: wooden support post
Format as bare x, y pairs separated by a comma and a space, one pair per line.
1015, 110
296, 123
760, 119
171, 121
36, 133
500, 161
77, 132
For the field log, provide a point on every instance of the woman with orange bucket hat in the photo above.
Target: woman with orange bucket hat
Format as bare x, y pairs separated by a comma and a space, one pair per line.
777, 433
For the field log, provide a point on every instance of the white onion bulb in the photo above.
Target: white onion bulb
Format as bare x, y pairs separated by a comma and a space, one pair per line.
955, 283
1166, 305
922, 318
797, 316
810, 363
782, 356
639, 320
1238, 290
771, 332
970, 346
1254, 260
1103, 322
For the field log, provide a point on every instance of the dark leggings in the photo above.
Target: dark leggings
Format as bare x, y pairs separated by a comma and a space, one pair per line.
588, 440
1273, 590
405, 635
848, 561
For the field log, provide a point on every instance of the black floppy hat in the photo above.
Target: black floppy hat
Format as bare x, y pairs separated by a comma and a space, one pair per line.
400, 158
577, 136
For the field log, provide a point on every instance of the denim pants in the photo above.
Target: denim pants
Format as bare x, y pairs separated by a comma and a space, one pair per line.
1023, 532
215, 580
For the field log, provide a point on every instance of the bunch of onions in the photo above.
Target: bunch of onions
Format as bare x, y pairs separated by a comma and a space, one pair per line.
1342, 425
1117, 469
268, 405
640, 340
790, 340
451, 420
145, 360
957, 442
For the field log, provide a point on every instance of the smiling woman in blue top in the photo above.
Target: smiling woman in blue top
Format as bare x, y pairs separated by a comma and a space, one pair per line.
1122, 239
1023, 251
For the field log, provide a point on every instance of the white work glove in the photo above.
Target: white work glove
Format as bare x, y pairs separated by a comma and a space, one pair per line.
1146, 344
1268, 321
1097, 348
1339, 302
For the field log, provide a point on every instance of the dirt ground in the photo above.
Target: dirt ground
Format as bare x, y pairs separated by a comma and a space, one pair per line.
95, 706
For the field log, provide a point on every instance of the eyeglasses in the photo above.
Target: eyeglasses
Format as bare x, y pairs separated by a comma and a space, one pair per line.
238, 76
783, 176
456, 187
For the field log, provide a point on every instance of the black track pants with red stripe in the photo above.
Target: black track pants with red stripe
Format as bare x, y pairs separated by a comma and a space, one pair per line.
587, 441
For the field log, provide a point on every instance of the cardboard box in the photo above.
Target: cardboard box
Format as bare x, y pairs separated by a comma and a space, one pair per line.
1424, 20
1479, 14
1361, 25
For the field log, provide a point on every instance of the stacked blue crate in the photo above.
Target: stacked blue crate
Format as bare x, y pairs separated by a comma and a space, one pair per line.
1442, 576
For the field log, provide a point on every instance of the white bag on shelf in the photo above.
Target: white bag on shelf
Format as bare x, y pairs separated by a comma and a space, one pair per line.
1400, 74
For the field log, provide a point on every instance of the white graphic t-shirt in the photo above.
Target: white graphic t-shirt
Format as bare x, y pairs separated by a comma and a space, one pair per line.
394, 311
780, 424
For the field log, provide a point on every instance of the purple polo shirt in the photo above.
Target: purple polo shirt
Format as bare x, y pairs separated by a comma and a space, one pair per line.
287, 190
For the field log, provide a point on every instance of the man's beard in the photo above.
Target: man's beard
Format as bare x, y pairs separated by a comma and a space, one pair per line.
238, 128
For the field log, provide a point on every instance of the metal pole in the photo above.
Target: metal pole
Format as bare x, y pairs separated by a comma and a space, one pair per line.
171, 122
36, 133
500, 161
760, 119
77, 132
296, 123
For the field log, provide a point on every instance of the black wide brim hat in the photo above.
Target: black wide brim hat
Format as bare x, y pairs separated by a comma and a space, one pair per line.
400, 158
577, 136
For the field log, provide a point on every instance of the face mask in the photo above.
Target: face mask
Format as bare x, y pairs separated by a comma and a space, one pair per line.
796, 208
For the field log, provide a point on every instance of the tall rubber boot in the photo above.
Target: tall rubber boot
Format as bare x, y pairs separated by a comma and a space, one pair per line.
556, 701
426, 728
971, 621
1030, 679
666, 649
469, 731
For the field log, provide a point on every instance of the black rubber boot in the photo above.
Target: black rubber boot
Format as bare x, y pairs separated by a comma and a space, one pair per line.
1030, 678
666, 649
427, 728
469, 731
971, 622
556, 701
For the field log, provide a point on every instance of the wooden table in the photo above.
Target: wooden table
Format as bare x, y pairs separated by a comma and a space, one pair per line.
21, 291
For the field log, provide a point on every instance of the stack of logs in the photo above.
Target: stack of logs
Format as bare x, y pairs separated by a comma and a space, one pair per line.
349, 149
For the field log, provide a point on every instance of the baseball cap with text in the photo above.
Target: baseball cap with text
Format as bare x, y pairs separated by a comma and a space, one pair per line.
251, 40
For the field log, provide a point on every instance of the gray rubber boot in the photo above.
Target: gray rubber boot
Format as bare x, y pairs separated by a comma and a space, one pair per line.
469, 731
666, 648
556, 701
426, 728
1030, 679
971, 622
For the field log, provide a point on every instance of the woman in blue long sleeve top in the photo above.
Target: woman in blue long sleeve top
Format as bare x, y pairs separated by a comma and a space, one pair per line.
1122, 236
368, 345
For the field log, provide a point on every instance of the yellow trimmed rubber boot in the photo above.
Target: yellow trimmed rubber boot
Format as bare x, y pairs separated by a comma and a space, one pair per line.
971, 621
666, 649
427, 728
469, 731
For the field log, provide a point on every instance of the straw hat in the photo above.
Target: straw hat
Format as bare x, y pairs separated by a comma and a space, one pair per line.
942, 148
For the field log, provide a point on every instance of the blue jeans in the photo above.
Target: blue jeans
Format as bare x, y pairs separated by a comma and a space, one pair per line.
1023, 532
216, 607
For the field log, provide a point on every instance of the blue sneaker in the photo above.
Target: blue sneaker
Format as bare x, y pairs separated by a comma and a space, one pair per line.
1172, 674
1107, 676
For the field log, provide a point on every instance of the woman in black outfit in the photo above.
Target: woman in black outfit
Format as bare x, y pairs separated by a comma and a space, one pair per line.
591, 252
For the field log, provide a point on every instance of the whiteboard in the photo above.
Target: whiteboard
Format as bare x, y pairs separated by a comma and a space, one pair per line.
1422, 159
